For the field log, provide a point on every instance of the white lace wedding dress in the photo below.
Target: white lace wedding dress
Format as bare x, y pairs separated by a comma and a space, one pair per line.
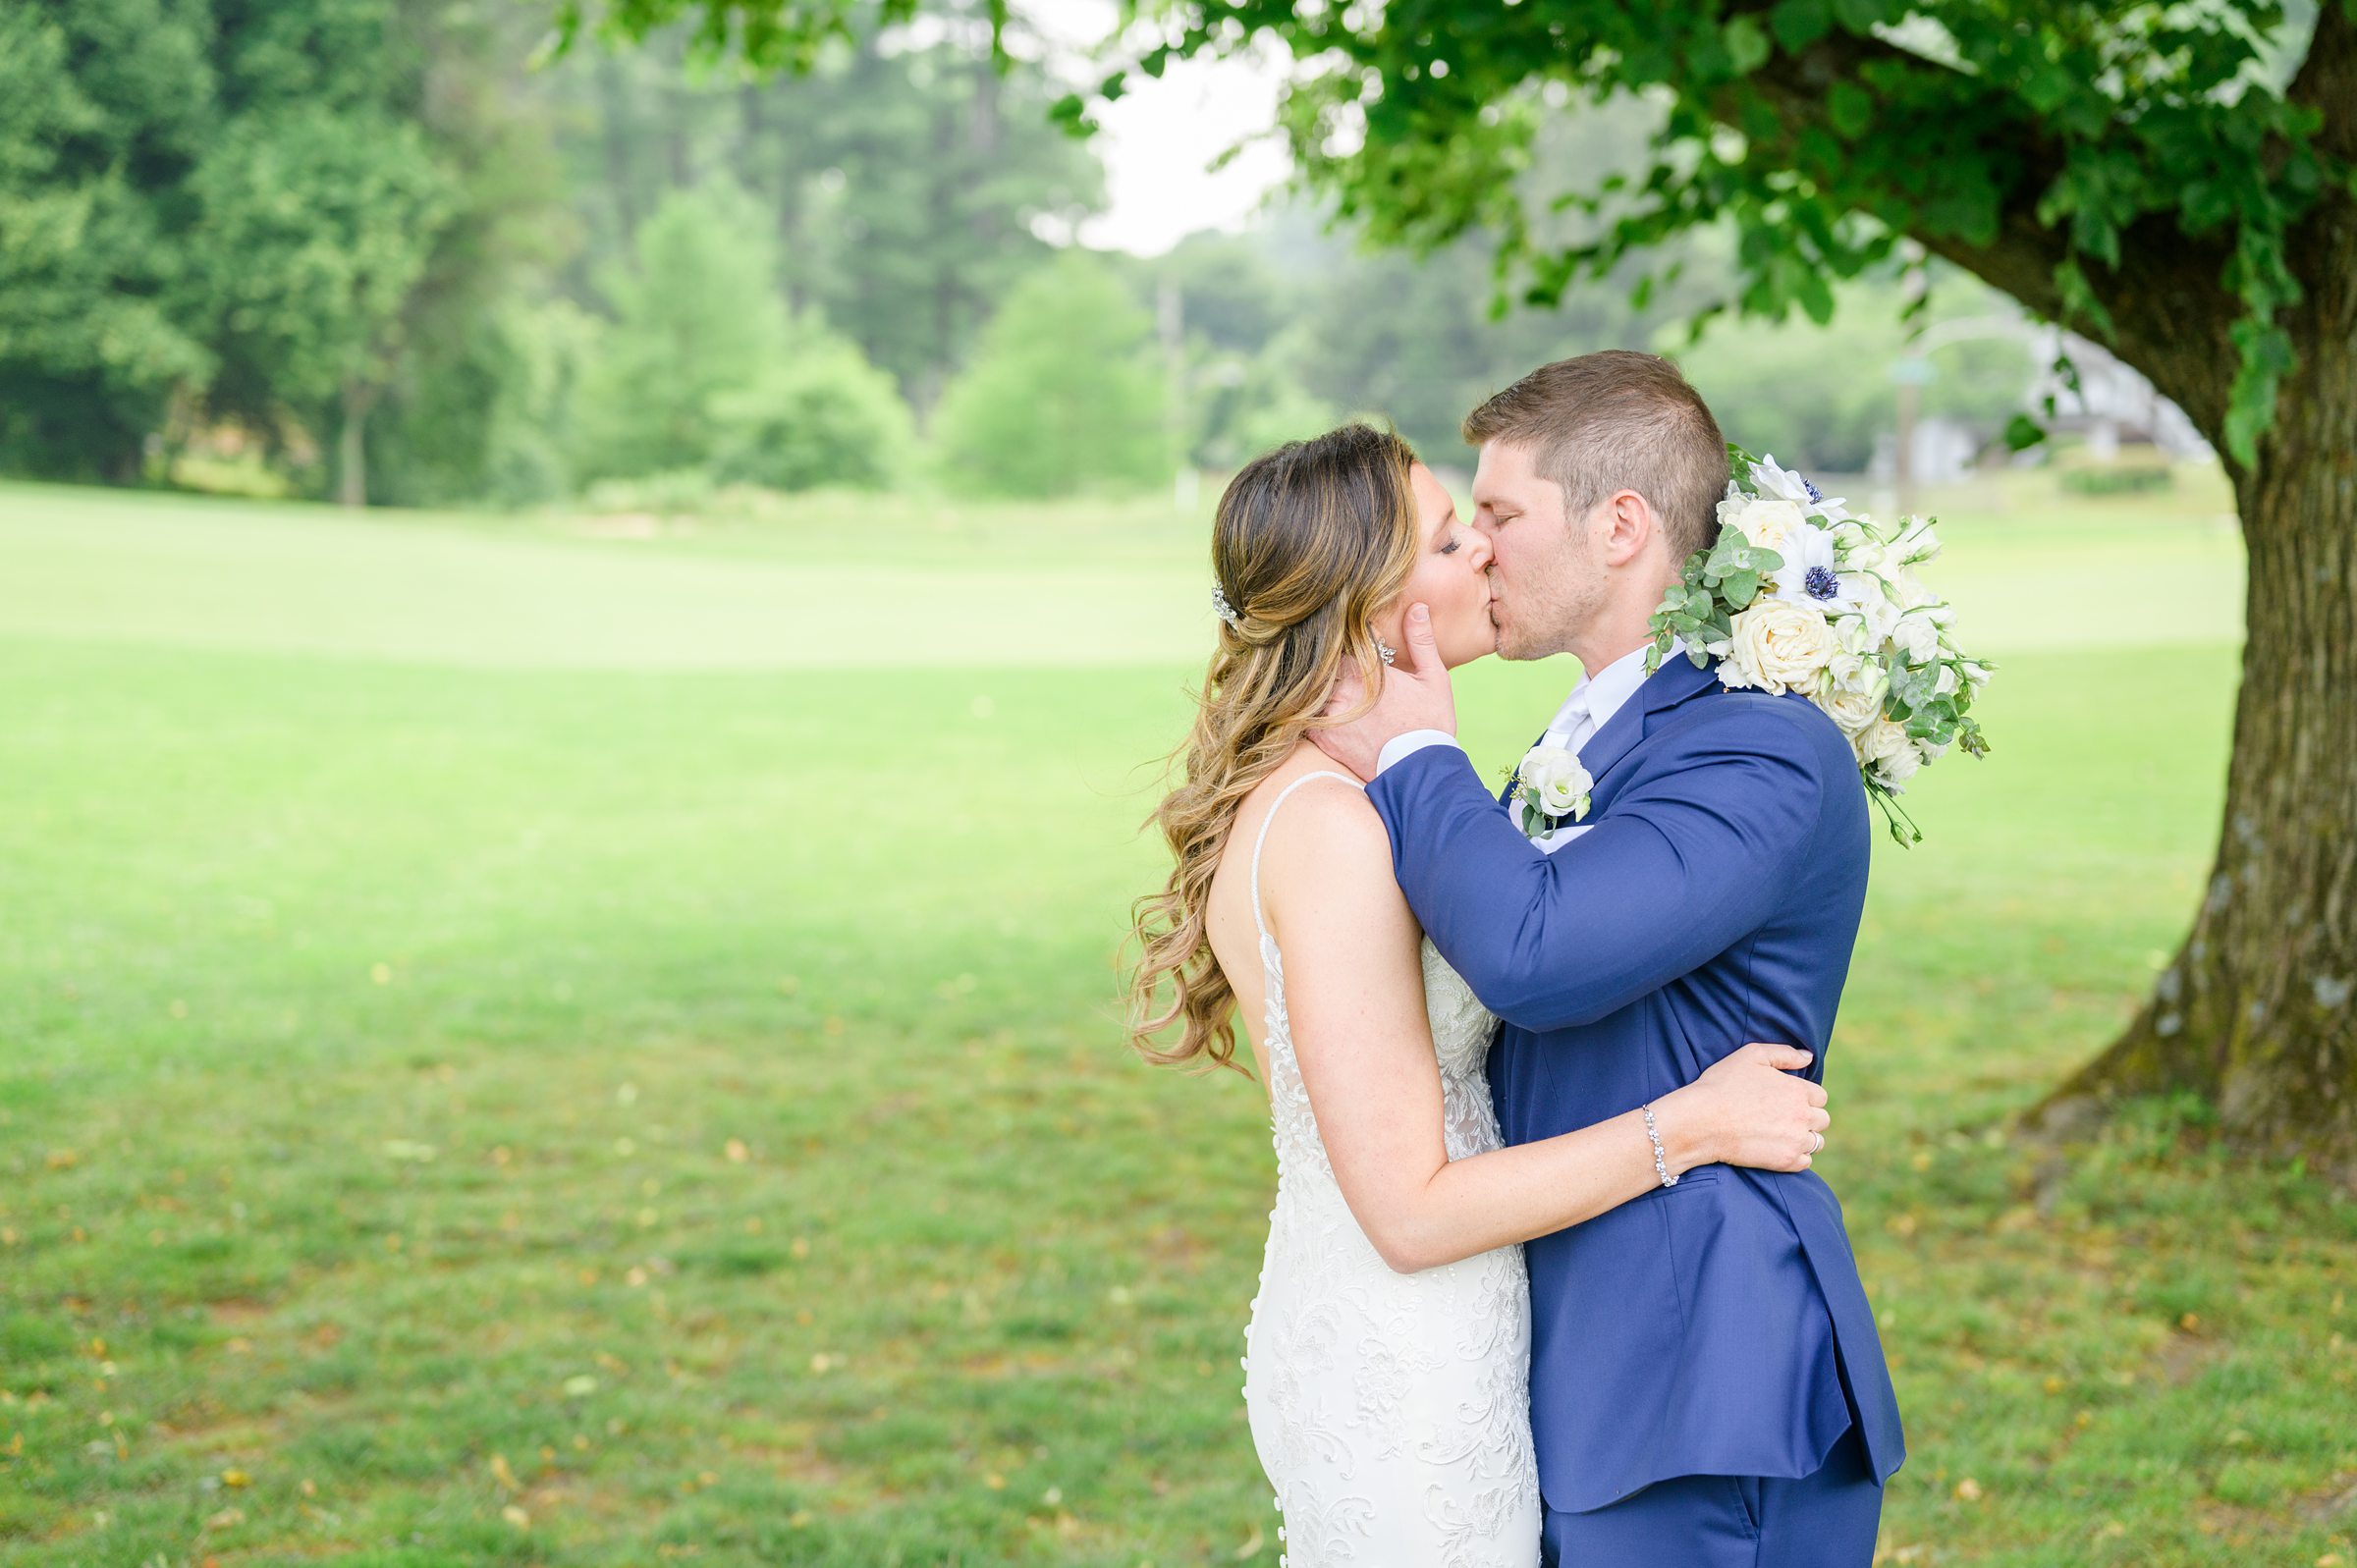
1391, 1411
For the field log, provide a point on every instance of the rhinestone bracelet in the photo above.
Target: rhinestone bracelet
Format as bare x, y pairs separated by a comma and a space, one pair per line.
1661, 1166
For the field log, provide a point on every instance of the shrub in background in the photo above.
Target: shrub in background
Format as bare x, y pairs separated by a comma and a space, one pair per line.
1064, 394
818, 414
695, 317
2129, 471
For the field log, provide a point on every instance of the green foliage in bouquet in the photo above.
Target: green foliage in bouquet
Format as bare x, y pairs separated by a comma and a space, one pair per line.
1854, 631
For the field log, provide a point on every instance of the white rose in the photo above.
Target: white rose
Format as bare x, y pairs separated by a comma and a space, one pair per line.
1780, 646
1912, 594
1551, 779
1880, 612
1852, 689
1856, 671
1916, 637
1884, 752
1854, 708
1737, 669
1895, 770
1766, 521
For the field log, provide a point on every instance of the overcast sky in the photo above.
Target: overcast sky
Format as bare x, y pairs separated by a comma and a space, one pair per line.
1159, 135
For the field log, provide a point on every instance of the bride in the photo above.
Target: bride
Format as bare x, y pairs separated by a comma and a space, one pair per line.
1386, 1356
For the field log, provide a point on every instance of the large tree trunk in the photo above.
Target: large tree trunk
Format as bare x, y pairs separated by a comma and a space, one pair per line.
2257, 1013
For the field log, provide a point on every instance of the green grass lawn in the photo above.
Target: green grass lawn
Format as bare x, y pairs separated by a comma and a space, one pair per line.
524, 1047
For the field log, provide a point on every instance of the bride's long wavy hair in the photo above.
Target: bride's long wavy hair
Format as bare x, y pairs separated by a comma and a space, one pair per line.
1309, 541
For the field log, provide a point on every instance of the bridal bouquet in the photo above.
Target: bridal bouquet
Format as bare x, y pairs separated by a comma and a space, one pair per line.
1799, 594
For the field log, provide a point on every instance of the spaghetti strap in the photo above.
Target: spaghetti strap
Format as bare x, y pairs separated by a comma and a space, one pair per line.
1262, 842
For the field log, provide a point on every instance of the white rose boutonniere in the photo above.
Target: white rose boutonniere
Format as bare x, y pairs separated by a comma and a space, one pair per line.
1550, 783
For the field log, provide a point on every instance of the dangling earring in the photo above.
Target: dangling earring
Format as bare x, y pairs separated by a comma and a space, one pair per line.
1384, 651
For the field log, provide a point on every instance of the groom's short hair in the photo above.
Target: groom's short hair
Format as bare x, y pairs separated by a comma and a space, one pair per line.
1618, 420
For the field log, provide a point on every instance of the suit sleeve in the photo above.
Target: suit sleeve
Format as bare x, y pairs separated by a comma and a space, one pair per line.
1692, 857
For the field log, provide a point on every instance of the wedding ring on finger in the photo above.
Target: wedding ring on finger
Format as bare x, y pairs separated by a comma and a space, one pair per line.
1817, 1142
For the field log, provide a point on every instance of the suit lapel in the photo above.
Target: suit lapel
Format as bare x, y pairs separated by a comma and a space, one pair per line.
1675, 682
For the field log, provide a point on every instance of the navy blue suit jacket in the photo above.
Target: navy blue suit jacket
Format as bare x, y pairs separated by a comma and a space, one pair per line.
1705, 1328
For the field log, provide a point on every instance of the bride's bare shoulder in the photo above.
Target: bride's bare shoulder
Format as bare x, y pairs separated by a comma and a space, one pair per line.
1327, 821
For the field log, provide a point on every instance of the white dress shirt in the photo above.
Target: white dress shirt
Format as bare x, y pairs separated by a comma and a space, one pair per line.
1592, 704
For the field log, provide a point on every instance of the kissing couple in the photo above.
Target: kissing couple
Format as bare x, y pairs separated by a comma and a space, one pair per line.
1550, 1279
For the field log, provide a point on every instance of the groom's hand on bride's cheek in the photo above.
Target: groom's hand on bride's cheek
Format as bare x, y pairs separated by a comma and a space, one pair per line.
1414, 695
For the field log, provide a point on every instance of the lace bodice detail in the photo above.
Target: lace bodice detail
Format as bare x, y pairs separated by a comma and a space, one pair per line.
1461, 1028
1391, 1411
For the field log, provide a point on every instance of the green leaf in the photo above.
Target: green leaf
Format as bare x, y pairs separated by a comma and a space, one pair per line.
1800, 23
1746, 44
2022, 433
2266, 357
1850, 107
1816, 295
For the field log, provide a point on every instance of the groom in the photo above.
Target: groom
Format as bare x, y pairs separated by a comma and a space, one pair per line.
1707, 1386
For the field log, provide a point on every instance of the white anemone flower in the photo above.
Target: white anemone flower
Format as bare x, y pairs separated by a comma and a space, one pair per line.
1810, 577
1772, 480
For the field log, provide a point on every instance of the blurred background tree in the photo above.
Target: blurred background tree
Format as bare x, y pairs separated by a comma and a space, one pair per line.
104, 109
1064, 390
386, 249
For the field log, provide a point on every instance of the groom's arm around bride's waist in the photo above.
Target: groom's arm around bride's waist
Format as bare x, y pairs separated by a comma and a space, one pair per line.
1696, 848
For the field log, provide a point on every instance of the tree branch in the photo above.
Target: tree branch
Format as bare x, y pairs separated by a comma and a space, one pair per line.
2022, 257
2170, 311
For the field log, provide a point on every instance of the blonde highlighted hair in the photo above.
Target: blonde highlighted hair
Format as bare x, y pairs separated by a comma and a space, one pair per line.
1309, 541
